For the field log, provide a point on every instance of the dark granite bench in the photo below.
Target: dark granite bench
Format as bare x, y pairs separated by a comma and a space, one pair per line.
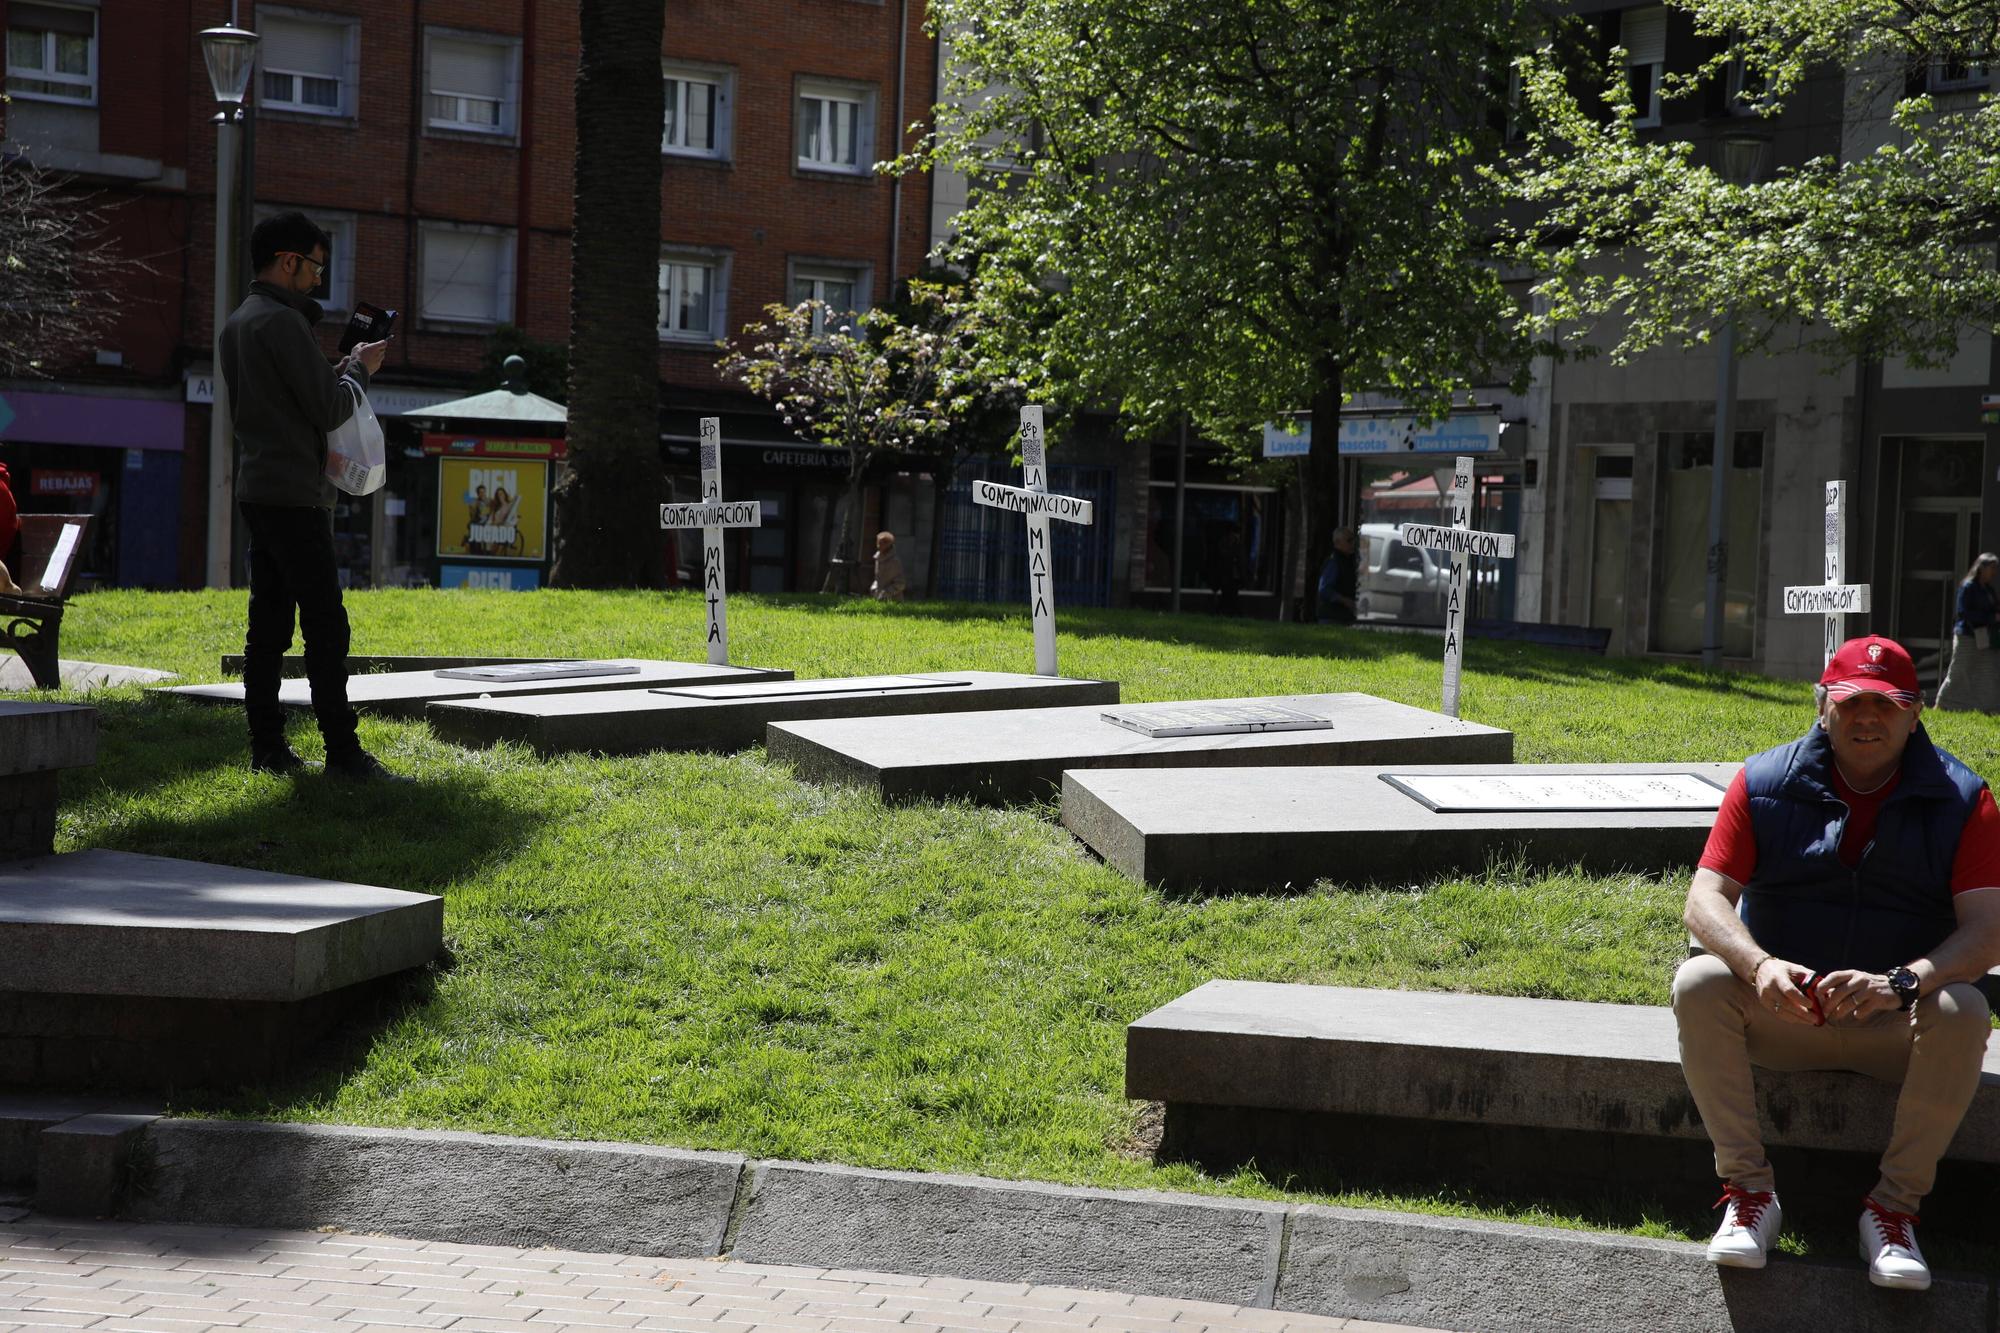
31, 624
1494, 1090
36, 741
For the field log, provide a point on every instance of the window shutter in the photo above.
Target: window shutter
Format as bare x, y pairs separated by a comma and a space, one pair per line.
307, 48
472, 69
461, 276
49, 18
1643, 34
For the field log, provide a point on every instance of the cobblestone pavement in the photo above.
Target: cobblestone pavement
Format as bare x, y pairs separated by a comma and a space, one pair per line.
113, 1277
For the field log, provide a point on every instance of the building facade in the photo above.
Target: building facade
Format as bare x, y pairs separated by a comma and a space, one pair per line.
434, 141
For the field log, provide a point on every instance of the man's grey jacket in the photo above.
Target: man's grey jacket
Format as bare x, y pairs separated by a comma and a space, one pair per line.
284, 398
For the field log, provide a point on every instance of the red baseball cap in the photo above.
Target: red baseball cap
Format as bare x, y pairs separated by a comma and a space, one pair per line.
1872, 664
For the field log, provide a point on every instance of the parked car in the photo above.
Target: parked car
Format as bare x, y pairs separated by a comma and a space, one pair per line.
1397, 581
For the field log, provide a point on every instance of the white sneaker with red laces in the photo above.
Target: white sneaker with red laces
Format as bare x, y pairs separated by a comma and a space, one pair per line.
1889, 1248
1749, 1224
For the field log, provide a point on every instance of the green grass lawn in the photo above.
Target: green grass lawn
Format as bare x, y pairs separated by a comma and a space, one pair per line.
701, 951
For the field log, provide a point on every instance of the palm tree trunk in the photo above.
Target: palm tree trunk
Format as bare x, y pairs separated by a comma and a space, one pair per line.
606, 518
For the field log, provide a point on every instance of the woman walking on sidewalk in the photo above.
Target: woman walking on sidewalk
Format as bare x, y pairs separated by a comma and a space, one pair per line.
1972, 681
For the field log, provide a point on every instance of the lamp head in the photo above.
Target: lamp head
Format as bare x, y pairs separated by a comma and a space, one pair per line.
1743, 158
231, 54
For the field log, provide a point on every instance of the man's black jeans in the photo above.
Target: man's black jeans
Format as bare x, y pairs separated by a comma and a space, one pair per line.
292, 565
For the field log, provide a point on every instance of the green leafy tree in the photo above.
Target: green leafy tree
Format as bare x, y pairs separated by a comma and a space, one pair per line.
1882, 246
606, 523
1243, 209
865, 383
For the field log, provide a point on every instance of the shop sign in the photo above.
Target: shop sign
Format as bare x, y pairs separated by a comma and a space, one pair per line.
830, 460
494, 510
479, 576
1463, 433
69, 484
481, 446
1288, 439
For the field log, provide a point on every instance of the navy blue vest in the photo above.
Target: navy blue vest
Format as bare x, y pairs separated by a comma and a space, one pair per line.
1803, 905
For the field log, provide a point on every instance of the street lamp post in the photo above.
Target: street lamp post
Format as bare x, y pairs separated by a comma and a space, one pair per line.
1742, 161
231, 54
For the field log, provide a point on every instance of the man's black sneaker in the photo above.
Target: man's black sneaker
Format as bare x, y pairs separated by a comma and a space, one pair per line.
280, 761
361, 766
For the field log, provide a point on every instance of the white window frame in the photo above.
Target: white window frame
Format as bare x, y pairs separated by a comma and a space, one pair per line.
723, 122
822, 271
1648, 116
509, 111
717, 262
47, 73
349, 77
503, 296
1977, 76
339, 229
1742, 102
811, 102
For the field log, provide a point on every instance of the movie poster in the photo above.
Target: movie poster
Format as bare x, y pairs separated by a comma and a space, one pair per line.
493, 509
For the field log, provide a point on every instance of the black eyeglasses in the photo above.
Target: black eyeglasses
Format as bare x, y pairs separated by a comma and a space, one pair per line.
319, 265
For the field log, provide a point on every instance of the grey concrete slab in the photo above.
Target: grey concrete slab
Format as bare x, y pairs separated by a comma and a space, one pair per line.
81, 1164
733, 716
293, 665
404, 693
1461, 1273
23, 1117
114, 923
1488, 1059
1008, 1231
1021, 754
36, 737
438, 1185
1272, 828
81, 677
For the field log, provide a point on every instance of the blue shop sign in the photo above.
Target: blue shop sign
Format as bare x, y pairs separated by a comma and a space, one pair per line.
487, 576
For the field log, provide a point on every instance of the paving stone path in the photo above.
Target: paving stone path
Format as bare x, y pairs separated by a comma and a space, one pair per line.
113, 1276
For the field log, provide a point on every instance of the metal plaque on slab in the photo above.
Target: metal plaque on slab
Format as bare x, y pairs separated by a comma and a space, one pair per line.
792, 689
1215, 719
1496, 793
512, 671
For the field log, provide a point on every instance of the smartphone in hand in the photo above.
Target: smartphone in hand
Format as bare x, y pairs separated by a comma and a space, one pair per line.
368, 324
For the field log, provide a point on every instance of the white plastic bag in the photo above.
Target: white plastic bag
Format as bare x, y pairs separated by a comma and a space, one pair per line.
357, 460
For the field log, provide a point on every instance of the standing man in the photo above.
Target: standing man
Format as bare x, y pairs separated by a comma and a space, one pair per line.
1847, 903
285, 398
1337, 580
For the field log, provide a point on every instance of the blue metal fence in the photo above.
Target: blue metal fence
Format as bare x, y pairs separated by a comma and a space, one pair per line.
985, 551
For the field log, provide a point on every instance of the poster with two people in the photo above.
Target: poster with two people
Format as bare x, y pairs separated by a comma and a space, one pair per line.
493, 510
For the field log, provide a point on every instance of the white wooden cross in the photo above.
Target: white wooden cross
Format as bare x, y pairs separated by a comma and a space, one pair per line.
712, 516
1832, 599
1032, 499
1463, 542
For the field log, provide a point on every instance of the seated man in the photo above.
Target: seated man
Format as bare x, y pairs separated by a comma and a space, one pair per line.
1846, 903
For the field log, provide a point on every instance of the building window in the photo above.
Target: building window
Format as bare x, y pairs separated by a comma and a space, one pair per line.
836, 124
335, 292
1680, 593
304, 63
1954, 74
1229, 542
52, 52
1749, 90
698, 113
693, 287
467, 275
1643, 34
471, 83
843, 288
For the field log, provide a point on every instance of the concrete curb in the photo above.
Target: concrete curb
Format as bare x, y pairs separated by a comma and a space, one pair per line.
436, 1185
635, 1199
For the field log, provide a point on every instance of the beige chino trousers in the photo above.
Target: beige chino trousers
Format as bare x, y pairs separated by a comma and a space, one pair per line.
1934, 1052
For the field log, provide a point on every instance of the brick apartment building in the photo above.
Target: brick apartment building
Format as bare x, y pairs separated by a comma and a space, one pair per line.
433, 139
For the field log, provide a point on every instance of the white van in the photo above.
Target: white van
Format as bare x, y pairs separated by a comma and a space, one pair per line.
1397, 581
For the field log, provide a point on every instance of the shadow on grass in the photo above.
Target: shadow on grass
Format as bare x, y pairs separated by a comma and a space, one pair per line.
420, 835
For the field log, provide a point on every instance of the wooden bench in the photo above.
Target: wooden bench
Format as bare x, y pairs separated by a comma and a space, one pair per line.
1456, 1083
31, 623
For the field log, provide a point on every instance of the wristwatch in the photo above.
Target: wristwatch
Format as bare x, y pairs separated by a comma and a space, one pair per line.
1904, 982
